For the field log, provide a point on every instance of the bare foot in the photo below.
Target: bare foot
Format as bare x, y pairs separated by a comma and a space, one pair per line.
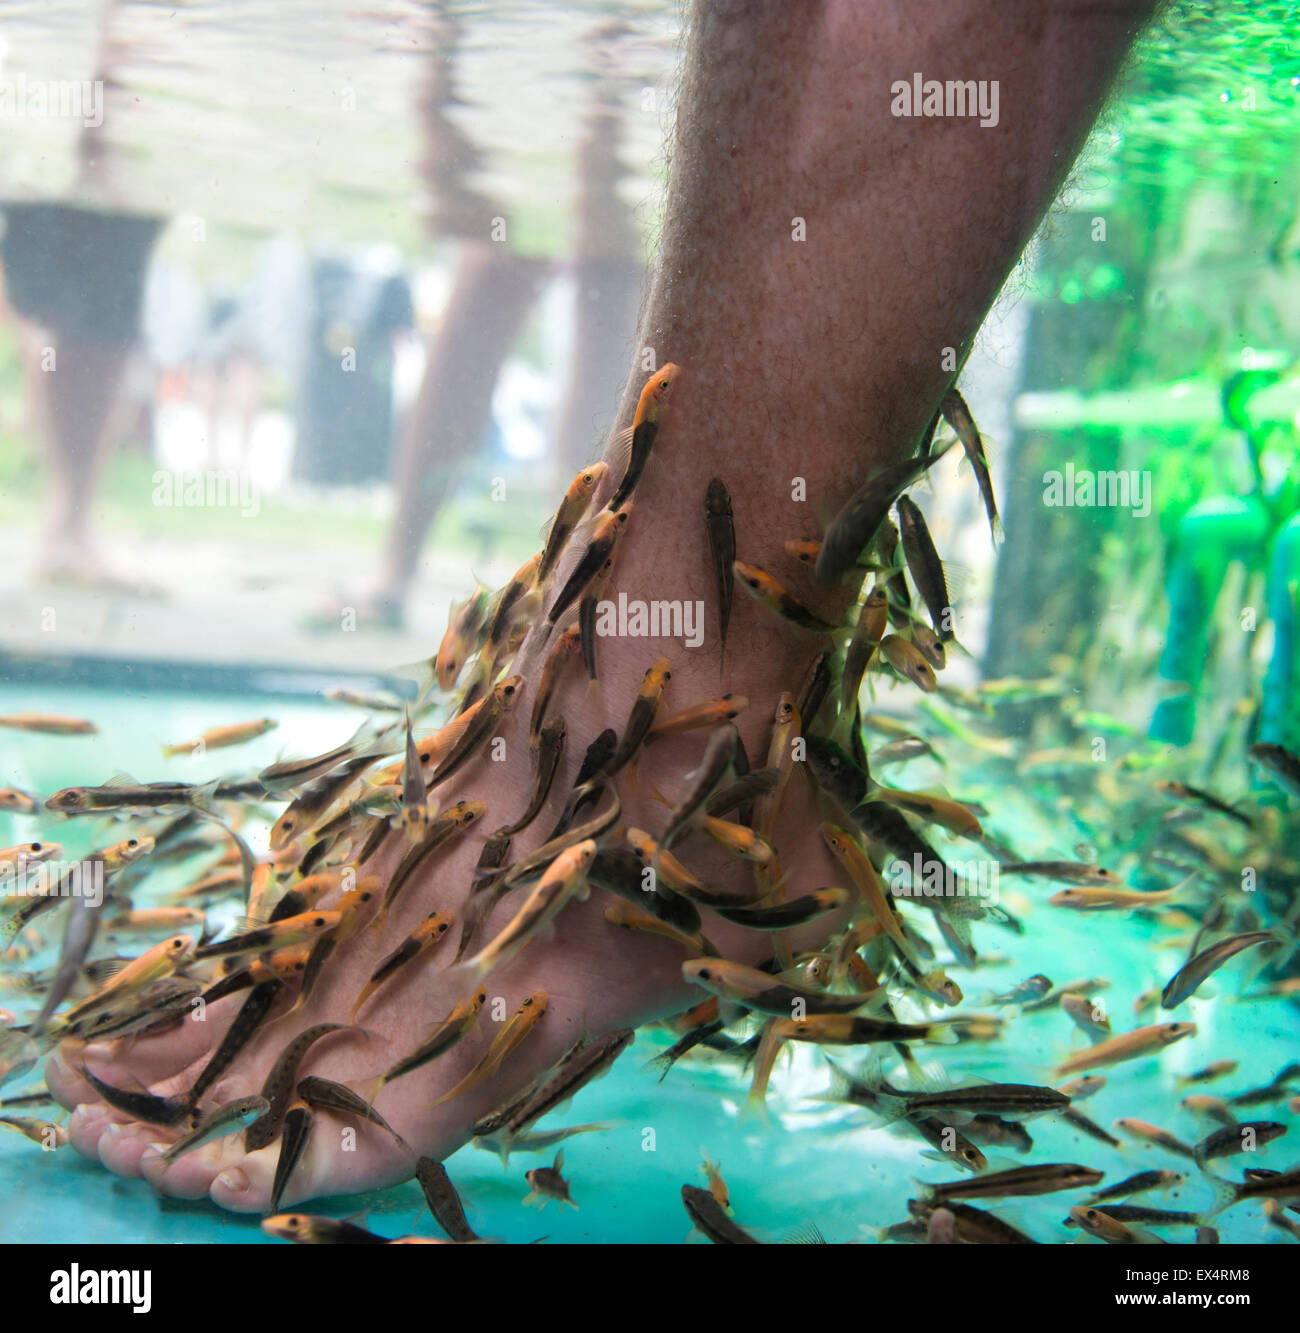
598, 976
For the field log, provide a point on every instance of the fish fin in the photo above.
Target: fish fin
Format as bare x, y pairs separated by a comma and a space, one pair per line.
620, 452
807, 1233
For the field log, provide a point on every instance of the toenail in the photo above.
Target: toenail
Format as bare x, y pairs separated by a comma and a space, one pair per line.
234, 1180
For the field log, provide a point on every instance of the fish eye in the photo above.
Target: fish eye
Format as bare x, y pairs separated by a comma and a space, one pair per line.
320, 921
663, 384
178, 942
587, 478
132, 842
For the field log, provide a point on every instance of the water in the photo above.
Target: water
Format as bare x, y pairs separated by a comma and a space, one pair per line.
277, 139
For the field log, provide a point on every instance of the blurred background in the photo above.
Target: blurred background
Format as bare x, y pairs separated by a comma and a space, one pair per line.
312, 311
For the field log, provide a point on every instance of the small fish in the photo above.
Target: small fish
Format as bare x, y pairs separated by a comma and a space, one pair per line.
957, 415
1162, 1138
650, 410
156, 918
563, 880
925, 566
1098, 898
444, 1203
1002, 1099
1068, 872
855, 527
277, 1088
1281, 1185
577, 499
1233, 1139
1086, 1015
1185, 982
771, 594
1098, 1223
1182, 791
517, 1029
579, 1067
546, 1183
290, 774
1215, 1069
331, 1096
974, 1226
717, 1186
486, 719
264, 939
1127, 1046
1141, 1183
867, 634
441, 1038
642, 716
1281, 762
125, 795
449, 824
305, 1229
564, 648
711, 713
154, 963
710, 1218
45, 1132
49, 724
17, 801
144, 1106
762, 993
909, 662
954, 816
869, 885
1033, 988
541, 1142
426, 935
218, 738
250, 1017
462, 637
298, 1124
721, 529
783, 916
702, 781
225, 1120
605, 535
852, 1030
510, 601
1017, 1182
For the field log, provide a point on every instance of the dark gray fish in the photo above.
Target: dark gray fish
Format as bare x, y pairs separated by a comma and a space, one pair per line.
278, 1085
974, 1226
622, 872
294, 773
605, 536
576, 1070
721, 530
707, 1214
444, 1203
79, 933
249, 1018
298, 1122
481, 901
854, 528
1234, 1139
784, 915
1018, 1181
1281, 762
640, 718
703, 781
452, 821
994, 1131
815, 686
666, 1059
217, 1124
1091, 1128
746, 788
153, 1110
925, 566
1140, 1183
1193, 973
550, 751
331, 1096
958, 416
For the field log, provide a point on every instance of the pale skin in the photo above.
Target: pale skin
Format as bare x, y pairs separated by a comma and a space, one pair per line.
811, 359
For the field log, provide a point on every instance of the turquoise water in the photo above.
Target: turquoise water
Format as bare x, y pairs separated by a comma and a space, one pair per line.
814, 1162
